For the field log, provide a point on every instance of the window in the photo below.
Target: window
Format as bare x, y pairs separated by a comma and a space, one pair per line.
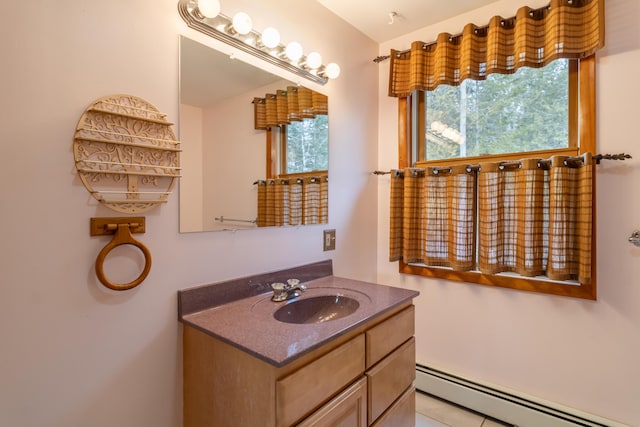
506, 113
461, 68
581, 90
296, 121
304, 145
584, 72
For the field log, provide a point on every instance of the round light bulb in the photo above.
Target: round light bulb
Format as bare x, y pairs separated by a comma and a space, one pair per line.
293, 51
270, 37
332, 71
314, 60
242, 23
209, 8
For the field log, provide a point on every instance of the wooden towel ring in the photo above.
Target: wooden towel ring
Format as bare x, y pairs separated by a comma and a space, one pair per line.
122, 236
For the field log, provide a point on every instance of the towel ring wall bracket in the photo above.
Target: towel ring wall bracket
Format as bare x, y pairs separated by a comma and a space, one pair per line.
121, 228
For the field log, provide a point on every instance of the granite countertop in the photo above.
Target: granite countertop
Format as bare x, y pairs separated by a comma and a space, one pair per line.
248, 323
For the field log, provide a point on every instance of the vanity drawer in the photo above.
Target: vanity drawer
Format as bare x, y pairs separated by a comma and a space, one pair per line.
402, 413
385, 337
390, 378
299, 393
348, 409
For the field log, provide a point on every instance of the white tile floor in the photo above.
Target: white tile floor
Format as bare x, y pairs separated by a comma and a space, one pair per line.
432, 412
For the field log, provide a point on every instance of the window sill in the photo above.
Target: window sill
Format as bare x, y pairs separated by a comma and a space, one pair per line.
546, 286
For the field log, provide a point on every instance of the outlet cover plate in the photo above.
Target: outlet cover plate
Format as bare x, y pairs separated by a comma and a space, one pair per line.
329, 240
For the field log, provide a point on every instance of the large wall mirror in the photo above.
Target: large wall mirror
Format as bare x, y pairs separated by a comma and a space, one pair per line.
234, 166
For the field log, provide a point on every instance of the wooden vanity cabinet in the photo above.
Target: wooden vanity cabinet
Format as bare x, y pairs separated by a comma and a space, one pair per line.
361, 378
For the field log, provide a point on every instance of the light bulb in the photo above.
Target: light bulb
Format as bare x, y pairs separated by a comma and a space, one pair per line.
293, 51
209, 8
242, 23
314, 60
270, 37
332, 71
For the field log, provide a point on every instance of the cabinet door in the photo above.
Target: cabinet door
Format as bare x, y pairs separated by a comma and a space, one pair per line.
390, 378
402, 413
348, 409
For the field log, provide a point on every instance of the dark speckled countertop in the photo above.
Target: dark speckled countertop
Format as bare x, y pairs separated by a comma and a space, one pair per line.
248, 323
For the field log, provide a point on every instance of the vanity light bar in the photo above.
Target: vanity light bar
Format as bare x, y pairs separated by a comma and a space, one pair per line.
221, 28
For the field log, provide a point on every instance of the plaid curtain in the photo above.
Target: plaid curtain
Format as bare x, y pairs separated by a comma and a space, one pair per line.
293, 201
533, 38
532, 217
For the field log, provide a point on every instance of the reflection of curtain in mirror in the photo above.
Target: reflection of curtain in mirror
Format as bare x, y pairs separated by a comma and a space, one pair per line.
285, 106
311, 200
324, 200
294, 201
281, 201
266, 203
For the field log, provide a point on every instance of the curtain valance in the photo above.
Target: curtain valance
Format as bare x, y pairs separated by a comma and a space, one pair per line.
532, 38
293, 104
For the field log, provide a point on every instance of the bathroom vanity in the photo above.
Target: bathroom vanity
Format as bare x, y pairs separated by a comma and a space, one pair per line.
338, 366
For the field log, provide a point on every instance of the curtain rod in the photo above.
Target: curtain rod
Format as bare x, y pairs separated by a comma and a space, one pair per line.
300, 180
597, 158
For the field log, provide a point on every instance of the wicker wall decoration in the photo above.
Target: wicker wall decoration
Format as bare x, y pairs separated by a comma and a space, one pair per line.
126, 154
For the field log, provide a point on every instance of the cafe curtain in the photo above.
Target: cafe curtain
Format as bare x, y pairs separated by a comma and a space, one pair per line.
293, 104
532, 217
532, 38
294, 201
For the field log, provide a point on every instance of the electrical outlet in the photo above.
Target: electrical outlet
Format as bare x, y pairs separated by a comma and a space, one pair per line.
329, 240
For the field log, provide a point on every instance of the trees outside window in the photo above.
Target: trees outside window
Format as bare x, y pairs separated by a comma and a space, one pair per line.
307, 145
506, 113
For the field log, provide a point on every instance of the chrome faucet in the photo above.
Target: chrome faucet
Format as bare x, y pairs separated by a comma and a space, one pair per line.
283, 292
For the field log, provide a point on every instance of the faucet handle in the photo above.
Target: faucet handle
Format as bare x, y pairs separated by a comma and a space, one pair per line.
295, 283
279, 291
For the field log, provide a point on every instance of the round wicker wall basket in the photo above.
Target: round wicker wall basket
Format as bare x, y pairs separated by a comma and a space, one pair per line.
126, 154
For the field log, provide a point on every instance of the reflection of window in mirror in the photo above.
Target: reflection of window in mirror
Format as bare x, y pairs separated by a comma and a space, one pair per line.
296, 125
296, 121
304, 145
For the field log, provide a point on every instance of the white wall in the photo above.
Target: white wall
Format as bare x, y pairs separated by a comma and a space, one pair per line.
191, 180
583, 354
71, 352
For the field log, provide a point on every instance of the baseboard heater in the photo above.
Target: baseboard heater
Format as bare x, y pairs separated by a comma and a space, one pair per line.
504, 405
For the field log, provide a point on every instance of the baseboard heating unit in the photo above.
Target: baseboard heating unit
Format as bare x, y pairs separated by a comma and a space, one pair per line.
510, 407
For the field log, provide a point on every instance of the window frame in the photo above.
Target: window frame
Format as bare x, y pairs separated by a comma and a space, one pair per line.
582, 138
